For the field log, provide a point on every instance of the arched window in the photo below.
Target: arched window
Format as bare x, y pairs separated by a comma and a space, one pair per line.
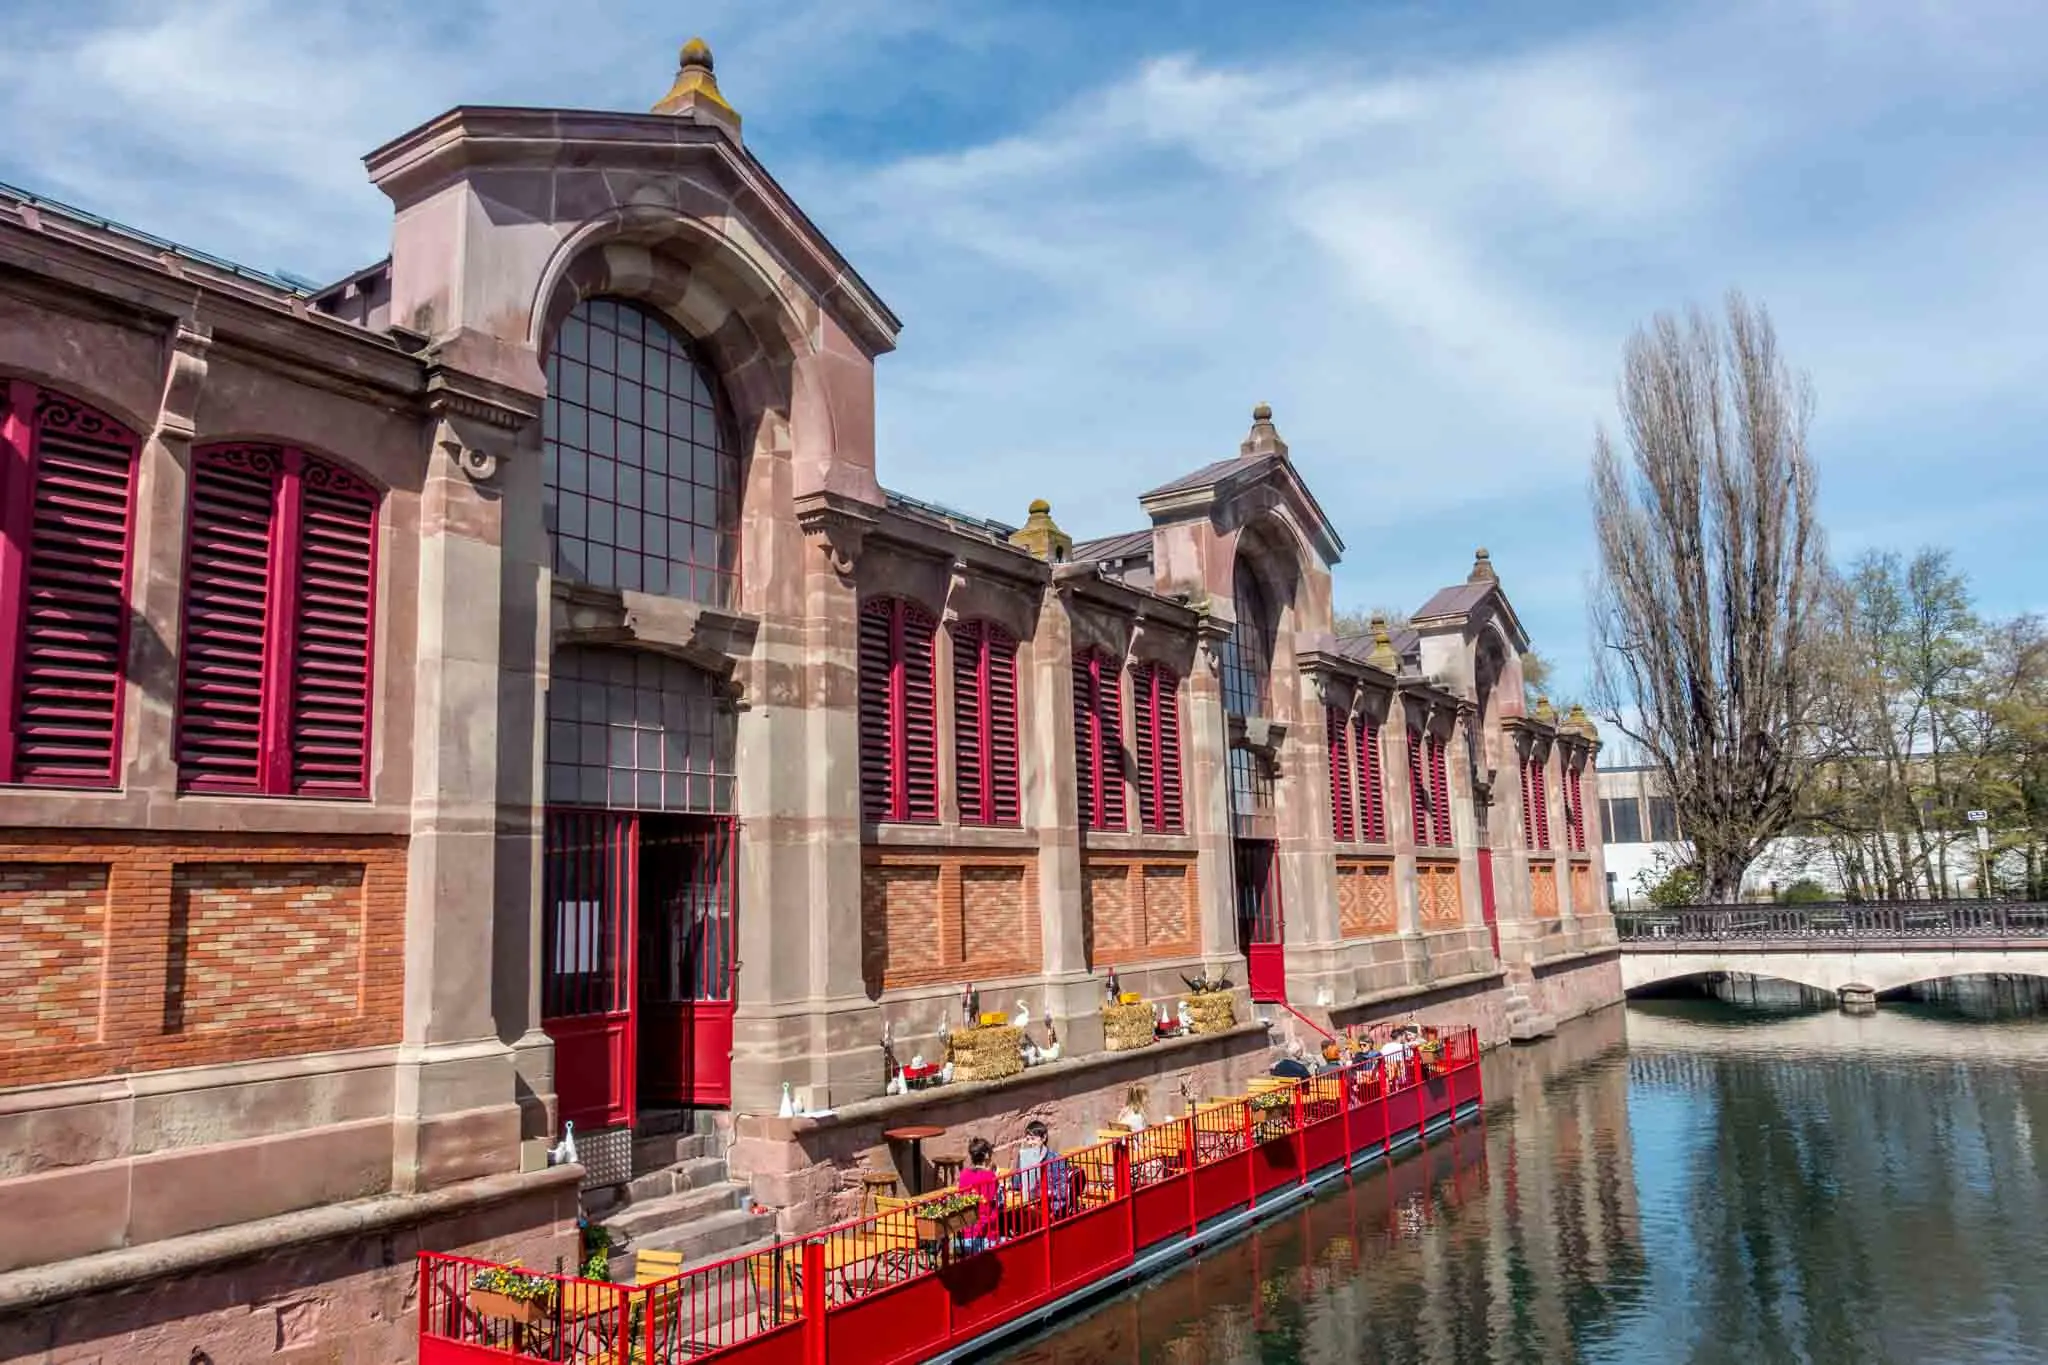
640, 472
1099, 740
899, 736
1155, 713
1248, 653
67, 510
280, 592
985, 723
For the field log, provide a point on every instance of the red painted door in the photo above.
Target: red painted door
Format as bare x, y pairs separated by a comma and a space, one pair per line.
688, 920
1486, 909
1261, 921
589, 879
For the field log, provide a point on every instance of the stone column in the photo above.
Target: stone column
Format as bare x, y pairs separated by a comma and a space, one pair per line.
1052, 808
456, 1112
1208, 802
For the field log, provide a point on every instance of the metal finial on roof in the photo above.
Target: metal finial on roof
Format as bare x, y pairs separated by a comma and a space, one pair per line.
1482, 568
1265, 437
1383, 655
695, 94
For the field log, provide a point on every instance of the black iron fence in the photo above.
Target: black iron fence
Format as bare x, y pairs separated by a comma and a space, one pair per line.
1944, 920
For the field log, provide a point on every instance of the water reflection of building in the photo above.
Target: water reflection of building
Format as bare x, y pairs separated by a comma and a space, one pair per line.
1513, 1240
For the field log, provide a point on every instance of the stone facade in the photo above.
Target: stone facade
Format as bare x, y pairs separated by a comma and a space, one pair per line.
612, 397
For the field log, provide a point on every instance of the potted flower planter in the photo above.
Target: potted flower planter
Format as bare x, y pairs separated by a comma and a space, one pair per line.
491, 1303
939, 1222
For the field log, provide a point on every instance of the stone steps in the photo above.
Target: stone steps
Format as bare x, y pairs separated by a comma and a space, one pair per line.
1526, 1023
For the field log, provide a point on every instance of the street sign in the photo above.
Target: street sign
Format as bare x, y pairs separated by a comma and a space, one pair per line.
1977, 817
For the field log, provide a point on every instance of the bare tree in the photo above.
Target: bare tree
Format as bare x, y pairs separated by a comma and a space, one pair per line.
1706, 615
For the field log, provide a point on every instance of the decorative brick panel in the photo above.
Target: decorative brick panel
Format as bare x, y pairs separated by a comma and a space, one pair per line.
53, 925
1438, 895
1138, 908
1365, 897
1542, 888
312, 982
1585, 900
254, 945
929, 917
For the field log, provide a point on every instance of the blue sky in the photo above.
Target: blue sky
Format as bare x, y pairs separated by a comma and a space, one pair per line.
1422, 231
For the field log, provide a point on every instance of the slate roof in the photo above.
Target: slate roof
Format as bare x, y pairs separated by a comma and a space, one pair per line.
1454, 601
1124, 545
283, 284
1210, 473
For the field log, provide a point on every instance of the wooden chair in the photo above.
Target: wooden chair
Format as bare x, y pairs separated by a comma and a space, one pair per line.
654, 1263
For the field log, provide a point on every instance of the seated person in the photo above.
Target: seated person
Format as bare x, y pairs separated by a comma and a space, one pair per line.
1132, 1117
1290, 1068
1038, 1160
979, 1179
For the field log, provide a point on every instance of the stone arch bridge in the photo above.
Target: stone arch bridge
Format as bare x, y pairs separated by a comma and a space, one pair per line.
1851, 950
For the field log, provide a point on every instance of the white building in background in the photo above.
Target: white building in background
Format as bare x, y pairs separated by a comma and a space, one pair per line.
1643, 837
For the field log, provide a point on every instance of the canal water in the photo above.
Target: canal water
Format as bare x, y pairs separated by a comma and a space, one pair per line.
1691, 1180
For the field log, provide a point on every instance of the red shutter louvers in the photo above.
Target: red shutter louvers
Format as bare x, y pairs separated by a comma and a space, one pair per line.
279, 625
1372, 811
1439, 794
1575, 811
67, 499
1418, 787
985, 723
1098, 741
1155, 724
1342, 818
899, 739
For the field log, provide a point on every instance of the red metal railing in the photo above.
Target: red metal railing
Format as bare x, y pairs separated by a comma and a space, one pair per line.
903, 1284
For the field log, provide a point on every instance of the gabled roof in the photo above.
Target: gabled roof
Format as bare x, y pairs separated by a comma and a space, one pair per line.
1261, 459
1457, 604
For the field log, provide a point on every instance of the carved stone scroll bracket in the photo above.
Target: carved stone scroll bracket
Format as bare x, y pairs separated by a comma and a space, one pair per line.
184, 381
480, 420
838, 527
1212, 633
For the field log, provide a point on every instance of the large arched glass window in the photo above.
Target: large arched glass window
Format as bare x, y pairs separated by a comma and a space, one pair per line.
1248, 654
641, 472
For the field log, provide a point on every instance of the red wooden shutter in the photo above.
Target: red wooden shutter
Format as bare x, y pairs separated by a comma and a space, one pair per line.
1418, 788
69, 505
1575, 811
878, 725
1439, 792
920, 714
970, 721
1539, 785
1372, 812
1086, 774
230, 553
1145, 743
1166, 722
1341, 816
1528, 809
1109, 710
1005, 795
333, 610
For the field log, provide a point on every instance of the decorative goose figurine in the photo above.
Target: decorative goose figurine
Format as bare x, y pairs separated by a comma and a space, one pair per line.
1022, 1018
563, 1153
788, 1110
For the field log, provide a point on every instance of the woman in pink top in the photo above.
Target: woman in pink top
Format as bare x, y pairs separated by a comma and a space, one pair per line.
980, 1179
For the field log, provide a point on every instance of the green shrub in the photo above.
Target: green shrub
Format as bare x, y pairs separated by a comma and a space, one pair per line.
1677, 886
1805, 891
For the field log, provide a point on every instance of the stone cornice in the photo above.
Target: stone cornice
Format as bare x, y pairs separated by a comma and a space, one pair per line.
471, 138
838, 526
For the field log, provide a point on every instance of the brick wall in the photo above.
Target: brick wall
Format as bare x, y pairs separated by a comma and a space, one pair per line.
1585, 900
1438, 895
947, 916
130, 951
1365, 897
1139, 908
1543, 888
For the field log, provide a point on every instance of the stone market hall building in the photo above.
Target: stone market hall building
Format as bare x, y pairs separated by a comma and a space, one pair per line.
497, 690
